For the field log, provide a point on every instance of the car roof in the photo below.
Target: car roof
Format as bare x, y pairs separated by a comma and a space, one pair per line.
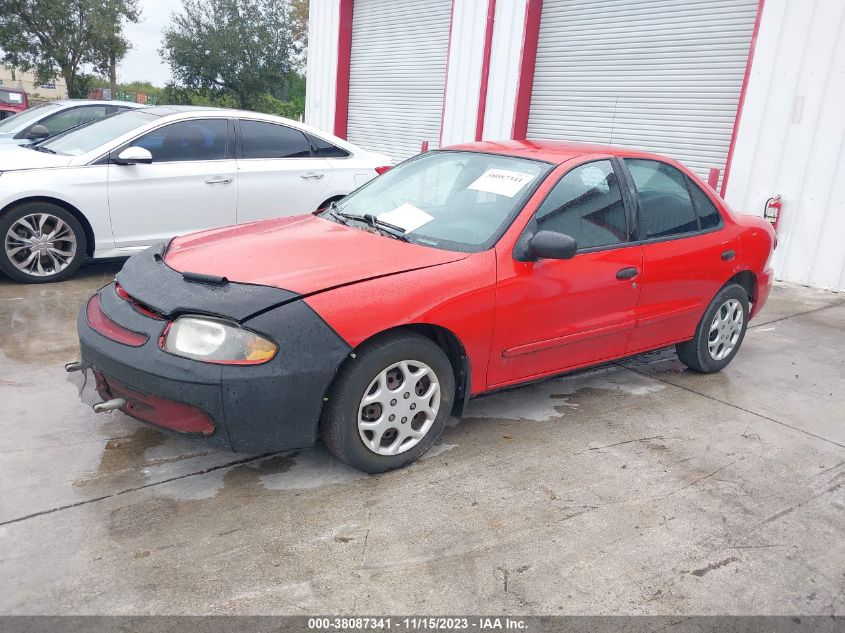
556, 152
75, 102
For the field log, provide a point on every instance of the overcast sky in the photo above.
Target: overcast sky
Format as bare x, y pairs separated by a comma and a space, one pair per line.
142, 62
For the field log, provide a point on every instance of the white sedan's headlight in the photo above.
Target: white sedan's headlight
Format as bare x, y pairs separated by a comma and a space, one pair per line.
215, 341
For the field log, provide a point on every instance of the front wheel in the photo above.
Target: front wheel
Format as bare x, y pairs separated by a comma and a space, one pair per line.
719, 333
389, 403
41, 243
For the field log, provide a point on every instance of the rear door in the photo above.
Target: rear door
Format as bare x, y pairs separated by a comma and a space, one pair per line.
190, 185
688, 254
278, 173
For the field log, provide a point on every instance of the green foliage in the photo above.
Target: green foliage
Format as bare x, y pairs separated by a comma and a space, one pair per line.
292, 108
58, 37
243, 52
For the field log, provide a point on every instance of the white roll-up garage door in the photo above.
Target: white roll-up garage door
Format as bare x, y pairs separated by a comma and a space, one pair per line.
661, 75
397, 74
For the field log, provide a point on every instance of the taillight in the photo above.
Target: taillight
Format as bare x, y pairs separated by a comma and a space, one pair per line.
381, 170
102, 324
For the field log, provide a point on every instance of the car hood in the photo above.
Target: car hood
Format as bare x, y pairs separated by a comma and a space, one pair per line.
15, 157
303, 254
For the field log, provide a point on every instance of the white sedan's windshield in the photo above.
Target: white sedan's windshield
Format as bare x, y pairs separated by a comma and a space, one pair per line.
86, 138
454, 200
18, 122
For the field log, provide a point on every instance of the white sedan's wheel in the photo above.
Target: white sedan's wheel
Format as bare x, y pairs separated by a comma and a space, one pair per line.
41, 242
399, 407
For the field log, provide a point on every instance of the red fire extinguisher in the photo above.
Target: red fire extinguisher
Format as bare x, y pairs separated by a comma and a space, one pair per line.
772, 210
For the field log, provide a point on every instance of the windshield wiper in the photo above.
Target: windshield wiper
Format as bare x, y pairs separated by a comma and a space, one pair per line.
368, 218
38, 148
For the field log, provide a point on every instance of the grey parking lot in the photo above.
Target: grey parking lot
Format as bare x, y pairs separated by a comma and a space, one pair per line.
633, 488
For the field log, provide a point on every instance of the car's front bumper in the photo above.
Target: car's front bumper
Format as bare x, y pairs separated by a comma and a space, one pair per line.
268, 407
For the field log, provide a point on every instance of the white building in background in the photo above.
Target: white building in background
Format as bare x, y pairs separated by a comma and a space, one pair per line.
35, 90
748, 93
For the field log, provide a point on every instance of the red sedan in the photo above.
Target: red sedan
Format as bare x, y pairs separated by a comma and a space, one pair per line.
458, 272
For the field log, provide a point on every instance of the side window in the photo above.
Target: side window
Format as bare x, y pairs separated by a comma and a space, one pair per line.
269, 140
73, 117
665, 203
204, 139
587, 205
326, 149
708, 214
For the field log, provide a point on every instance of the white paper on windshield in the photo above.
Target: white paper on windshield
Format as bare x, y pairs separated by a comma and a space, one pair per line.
407, 216
14, 97
502, 182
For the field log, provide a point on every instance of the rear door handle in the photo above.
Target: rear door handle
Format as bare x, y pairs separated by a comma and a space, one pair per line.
627, 273
311, 176
729, 255
219, 180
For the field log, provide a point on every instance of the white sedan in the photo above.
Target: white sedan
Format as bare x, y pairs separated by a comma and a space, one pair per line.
131, 180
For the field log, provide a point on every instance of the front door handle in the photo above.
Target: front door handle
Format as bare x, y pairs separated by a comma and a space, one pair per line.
311, 176
219, 180
728, 255
627, 273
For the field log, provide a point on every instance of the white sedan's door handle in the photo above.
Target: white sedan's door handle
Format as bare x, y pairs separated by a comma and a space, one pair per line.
219, 180
311, 176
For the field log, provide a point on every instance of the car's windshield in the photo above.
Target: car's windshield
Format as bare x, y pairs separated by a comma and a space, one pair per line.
18, 122
85, 138
453, 200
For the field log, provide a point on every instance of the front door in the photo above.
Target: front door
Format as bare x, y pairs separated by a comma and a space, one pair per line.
190, 185
556, 315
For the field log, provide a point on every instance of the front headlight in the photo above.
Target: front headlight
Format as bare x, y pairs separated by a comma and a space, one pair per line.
215, 341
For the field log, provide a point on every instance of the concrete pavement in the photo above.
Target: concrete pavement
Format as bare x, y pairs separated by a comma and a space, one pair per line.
634, 488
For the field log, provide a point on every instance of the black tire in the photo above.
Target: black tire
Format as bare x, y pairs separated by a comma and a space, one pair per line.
8, 220
339, 421
695, 354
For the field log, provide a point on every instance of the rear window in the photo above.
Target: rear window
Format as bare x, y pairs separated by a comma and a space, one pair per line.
9, 96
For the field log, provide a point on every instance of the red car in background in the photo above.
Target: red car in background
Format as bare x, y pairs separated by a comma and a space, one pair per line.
12, 101
458, 272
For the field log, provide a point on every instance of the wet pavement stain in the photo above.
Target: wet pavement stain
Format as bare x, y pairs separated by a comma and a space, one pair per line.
123, 460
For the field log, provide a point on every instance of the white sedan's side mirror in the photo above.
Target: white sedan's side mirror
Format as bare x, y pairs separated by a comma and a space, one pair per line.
135, 156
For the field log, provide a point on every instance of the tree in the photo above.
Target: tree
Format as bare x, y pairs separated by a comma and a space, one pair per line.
59, 37
241, 48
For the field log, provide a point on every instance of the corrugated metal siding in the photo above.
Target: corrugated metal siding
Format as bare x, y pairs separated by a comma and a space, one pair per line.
398, 74
321, 73
662, 75
791, 138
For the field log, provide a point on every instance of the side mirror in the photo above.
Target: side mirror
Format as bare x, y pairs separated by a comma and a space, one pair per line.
37, 133
134, 156
550, 245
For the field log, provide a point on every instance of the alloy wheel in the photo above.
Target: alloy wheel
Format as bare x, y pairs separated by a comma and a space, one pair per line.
40, 244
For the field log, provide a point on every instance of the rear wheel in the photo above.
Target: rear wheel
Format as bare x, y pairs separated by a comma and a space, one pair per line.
719, 333
41, 242
389, 403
